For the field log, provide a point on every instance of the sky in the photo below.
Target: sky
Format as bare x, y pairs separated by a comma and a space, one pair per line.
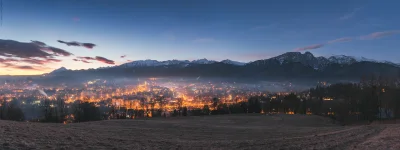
119, 31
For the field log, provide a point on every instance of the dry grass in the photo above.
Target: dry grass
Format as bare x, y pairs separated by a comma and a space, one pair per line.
210, 132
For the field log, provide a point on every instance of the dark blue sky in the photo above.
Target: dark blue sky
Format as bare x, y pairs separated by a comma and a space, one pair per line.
214, 29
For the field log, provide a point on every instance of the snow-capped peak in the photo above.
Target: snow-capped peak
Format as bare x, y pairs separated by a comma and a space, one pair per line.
203, 61
289, 56
342, 59
227, 61
306, 58
309, 55
174, 62
363, 59
62, 69
147, 62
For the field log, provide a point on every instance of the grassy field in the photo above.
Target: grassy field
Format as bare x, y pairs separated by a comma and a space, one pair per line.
209, 132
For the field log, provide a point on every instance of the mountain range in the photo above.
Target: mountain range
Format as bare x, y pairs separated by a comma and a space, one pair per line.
288, 65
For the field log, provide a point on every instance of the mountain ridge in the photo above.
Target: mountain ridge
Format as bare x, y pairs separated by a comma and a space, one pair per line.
290, 65
317, 62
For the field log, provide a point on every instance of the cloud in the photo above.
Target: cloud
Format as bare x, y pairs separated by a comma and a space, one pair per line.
86, 58
345, 39
29, 61
316, 46
377, 35
350, 15
73, 43
38, 43
25, 68
32, 55
85, 61
7, 60
104, 60
123, 56
39, 61
11, 62
88, 45
98, 58
6, 55
11, 48
57, 51
51, 49
204, 40
310, 47
53, 60
16, 55
22, 67
34, 61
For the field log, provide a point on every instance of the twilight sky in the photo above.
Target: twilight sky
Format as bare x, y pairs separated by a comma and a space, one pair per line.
188, 29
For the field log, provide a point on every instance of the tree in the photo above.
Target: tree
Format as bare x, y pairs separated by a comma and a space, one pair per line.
185, 111
303, 106
215, 102
15, 113
61, 110
206, 110
48, 111
265, 104
342, 112
175, 113
152, 104
11, 111
396, 103
87, 112
197, 112
143, 102
244, 107
180, 103
254, 105
291, 102
369, 106
223, 109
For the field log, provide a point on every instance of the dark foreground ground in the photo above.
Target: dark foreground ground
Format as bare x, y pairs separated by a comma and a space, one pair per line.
210, 132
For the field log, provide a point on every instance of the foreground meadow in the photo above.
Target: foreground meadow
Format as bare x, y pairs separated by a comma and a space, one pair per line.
209, 132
